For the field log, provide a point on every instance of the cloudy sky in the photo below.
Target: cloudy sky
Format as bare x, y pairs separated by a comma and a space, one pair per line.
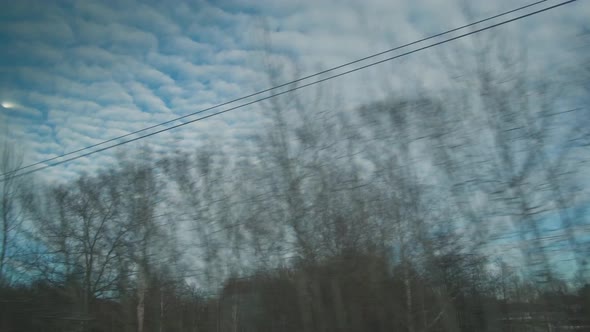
74, 73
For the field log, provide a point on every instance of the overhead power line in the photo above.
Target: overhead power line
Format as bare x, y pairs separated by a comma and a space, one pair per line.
273, 88
13, 175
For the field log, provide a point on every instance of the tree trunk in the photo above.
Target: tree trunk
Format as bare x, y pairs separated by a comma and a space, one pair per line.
161, 310
304, 305
4, 239
408, 286
140, 300
338, 305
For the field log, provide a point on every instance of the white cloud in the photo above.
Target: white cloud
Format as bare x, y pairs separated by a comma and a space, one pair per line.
93, 72
93, 54
108, 93
185, 45
50, 30
146, 99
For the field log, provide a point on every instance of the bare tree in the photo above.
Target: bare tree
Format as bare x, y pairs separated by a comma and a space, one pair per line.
12, 200
204, 207
140, 187
81, 229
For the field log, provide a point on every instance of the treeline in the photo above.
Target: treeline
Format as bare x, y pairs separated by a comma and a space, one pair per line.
453, 210
355, 292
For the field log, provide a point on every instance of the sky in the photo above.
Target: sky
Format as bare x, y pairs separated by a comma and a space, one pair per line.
75, 73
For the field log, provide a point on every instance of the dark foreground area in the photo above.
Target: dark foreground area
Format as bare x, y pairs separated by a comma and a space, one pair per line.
356, 292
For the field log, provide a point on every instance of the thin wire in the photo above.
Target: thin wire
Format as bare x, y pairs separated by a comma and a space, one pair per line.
292, 89
275, 87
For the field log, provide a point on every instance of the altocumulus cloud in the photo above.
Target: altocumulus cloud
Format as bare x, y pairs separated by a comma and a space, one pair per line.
76, 73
